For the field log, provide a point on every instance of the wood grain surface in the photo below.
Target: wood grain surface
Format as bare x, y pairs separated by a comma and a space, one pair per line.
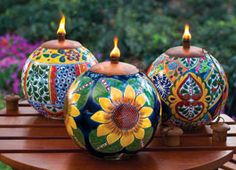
30, 141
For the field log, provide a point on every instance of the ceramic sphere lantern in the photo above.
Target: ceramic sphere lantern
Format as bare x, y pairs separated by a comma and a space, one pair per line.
192, 84
50, 70
112, 109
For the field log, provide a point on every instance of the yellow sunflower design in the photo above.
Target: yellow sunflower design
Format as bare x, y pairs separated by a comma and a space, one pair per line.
123, 117
72, 110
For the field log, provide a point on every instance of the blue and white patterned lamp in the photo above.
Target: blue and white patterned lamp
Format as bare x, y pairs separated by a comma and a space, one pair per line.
50, 70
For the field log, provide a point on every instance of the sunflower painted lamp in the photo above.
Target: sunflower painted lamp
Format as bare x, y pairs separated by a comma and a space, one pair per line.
192, 84
112, 109
51, 69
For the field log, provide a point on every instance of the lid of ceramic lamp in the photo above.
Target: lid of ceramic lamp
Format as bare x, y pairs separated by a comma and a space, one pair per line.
186, 50
114, 66
66, 44
179, 51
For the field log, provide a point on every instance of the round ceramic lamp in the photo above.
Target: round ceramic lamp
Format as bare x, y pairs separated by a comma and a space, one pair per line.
50, 70
112, 109
192, 84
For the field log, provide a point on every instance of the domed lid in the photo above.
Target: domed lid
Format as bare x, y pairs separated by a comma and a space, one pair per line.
114, 66
57, 44
186, 50
180, 51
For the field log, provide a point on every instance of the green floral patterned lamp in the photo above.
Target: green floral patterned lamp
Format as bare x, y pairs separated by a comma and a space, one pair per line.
112, 109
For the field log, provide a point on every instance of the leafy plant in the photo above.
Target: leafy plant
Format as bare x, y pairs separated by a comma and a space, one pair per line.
145, 28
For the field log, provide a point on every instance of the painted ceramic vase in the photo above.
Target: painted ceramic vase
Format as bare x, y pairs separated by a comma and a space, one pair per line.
49, 72
112, 110
193, 88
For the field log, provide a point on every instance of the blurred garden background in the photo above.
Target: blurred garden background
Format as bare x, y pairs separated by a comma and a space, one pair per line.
145, 29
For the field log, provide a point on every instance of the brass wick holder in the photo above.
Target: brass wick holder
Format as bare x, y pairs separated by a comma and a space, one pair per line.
186, 44
220, 130
12, 103
114, 60
61, 37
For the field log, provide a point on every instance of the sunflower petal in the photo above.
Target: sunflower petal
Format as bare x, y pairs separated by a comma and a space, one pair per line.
69, 130
113, 137
106, 104
146, 123
116, 95
146, 111
70, 125
139, 134
73, 87
75, 98
126, 140
101, 117
140, 101
103, 130
73, 111
72, 122
129, 94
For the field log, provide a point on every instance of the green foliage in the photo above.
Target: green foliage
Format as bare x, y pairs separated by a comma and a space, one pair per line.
145, 28
2, 102
4, 166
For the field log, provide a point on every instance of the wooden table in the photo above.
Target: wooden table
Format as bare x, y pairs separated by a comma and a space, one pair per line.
30, 141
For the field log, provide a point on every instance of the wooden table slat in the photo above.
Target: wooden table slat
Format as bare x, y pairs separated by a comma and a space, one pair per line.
23, 111
24, 131
28, 121
33, 132
65, 145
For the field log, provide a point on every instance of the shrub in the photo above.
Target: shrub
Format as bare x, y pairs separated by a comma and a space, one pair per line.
145, 28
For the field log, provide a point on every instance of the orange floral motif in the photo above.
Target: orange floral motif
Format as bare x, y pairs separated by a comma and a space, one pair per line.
189, 99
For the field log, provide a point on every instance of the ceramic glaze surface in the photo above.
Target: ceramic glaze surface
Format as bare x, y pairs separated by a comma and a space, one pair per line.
193, 90
112, 116
47, 75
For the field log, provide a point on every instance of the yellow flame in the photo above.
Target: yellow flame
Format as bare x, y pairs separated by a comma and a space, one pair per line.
186, 35
61, 29
115, 53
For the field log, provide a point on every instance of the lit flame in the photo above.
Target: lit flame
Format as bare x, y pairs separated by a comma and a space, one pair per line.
61, 29
186, 35
115, 53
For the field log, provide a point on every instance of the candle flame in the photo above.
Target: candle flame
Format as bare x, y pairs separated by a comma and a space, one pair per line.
186, 35
115, 53
61, 29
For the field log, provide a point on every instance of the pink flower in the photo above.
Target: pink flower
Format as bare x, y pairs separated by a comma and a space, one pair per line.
7, 62
14, 51
16, 84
